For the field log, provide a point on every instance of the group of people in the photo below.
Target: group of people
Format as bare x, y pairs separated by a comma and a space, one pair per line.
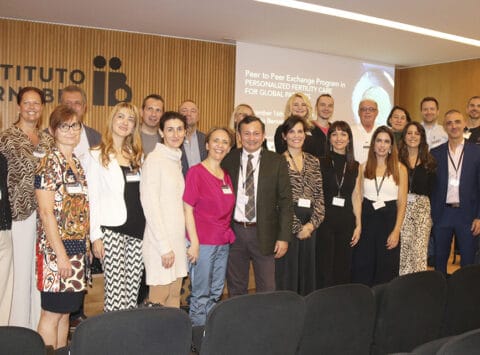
155, 199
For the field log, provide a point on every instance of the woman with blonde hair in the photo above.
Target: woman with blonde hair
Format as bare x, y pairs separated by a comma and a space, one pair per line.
239, 113
117, 219
297, 105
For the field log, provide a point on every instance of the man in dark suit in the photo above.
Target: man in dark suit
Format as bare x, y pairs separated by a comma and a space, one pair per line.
193, 147
456, 194
75, 98
262, 219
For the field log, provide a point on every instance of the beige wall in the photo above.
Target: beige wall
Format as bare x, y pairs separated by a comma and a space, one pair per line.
452, 84
177, 69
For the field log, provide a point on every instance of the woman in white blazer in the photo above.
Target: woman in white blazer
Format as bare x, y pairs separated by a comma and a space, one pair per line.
162, 185
117, 220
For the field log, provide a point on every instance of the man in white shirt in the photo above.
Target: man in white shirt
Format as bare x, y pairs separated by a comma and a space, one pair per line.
152, 110
75, 98
436, 136
456, 195
362, 133
435, 133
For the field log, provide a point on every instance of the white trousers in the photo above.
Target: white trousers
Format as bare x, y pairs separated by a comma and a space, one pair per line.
25, 311
6, 275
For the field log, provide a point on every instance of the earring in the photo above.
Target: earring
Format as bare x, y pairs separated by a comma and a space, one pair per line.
389, 151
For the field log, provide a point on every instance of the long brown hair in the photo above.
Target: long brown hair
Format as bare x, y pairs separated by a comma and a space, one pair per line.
391, 161
426, 159
132, 144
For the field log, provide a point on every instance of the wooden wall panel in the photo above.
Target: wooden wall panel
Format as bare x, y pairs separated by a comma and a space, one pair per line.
452, 84
176, 68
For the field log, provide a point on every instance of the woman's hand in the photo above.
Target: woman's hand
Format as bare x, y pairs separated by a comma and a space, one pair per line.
64, 266
356, 236
192, 252
393, 239
98, 249
168, 260
306, 231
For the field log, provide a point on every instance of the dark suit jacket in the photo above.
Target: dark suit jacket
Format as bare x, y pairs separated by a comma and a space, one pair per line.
202, 148
469, 183
274, 197
94, 137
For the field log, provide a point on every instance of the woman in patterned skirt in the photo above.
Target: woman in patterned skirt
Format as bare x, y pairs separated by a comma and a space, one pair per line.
23, 144
63, 226
416, 227
296, 270
117, 219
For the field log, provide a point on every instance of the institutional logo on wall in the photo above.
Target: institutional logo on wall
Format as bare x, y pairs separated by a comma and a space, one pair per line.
109, 85
115, 86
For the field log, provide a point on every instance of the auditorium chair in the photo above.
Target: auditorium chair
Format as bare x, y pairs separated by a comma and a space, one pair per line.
138, 331
20, 341
410, 311
256, 324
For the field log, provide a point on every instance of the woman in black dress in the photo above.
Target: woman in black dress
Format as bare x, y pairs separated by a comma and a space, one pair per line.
340, 230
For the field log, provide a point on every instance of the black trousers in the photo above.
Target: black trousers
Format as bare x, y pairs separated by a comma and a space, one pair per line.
333, 250
372, 262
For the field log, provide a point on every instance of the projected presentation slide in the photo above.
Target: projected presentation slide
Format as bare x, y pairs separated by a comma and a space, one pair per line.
267, 76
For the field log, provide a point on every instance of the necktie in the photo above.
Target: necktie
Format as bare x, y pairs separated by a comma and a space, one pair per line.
250, 190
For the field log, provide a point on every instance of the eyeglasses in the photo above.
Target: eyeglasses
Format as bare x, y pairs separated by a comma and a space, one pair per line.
65, 127
368, 109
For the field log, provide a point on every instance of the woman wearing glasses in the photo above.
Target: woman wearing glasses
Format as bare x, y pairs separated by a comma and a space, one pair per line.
117, 219
63, 221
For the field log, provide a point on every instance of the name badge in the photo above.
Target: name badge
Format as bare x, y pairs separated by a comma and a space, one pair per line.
378, 204
338, 201
226, 190
132, 177
303, 202
411, 197
454, 182
39, 153
74, 188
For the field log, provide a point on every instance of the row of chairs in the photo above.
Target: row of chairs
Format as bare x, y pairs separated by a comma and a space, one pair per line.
406, 315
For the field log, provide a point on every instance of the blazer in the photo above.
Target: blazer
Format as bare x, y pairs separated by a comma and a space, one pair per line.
469, 189
201, 147
94, 137
274, 197
105, 193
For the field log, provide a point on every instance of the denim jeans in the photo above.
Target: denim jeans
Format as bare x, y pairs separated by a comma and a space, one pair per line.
207, 278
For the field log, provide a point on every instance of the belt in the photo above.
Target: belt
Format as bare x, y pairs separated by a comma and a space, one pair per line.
246, 224
453, 205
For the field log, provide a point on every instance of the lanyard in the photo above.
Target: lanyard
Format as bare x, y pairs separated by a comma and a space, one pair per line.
297, 170
456, 167
411, 175
378, 188
340, 184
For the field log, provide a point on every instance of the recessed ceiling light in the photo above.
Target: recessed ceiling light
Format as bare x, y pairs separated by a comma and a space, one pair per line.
324, 10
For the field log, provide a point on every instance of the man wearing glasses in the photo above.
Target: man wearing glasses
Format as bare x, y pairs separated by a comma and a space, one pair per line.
362, 133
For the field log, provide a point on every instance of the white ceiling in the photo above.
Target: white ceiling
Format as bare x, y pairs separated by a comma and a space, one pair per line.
249, 21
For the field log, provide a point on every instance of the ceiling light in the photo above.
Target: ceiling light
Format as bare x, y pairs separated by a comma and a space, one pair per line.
324, 10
